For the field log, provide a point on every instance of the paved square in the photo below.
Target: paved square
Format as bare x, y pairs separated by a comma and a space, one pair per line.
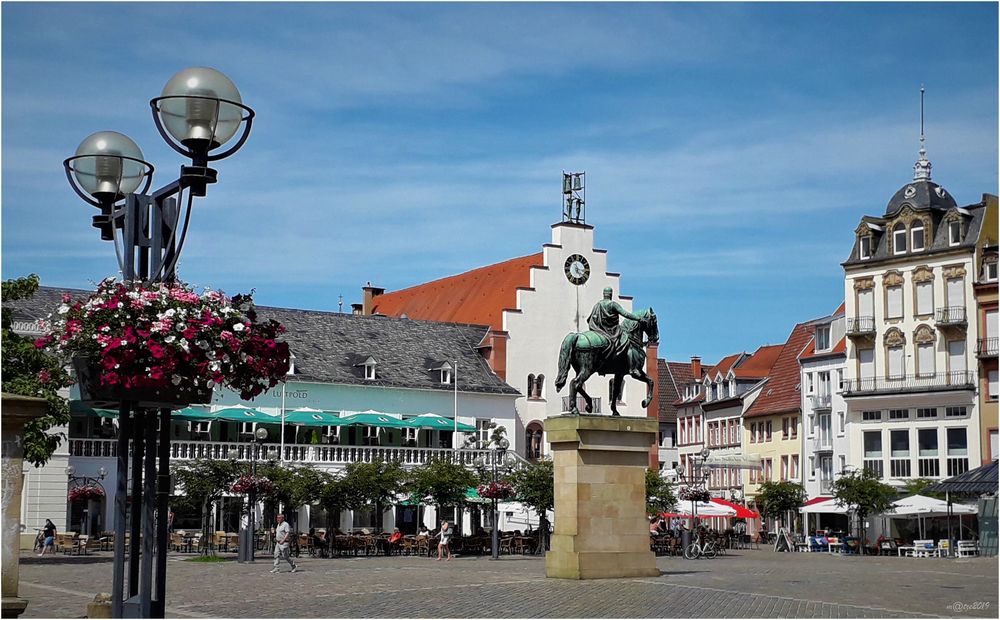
757, 583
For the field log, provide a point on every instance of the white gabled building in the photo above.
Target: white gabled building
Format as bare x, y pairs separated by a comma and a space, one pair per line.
910, 385
824, 412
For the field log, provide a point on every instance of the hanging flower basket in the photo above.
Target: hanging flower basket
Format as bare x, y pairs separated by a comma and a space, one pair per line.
163, 345
689, 494
496, 490
85, 493
247, 483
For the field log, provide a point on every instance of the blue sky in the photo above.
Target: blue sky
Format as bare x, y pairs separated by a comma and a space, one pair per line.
730, 149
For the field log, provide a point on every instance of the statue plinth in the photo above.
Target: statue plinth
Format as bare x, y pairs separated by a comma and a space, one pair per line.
600, 466
17, 410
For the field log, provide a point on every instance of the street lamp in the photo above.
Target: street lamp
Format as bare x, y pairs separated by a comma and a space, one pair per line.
496, 454
198, 112
260, 435
102, 473
697, 480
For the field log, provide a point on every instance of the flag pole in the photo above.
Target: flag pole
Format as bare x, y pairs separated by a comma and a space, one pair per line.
454, 379
281, 456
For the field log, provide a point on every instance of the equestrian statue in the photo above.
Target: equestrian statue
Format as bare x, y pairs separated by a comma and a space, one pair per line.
608, 349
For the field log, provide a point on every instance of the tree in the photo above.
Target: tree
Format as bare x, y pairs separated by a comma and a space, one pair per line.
442, 480
659, 493
916, 486
776, 499
376, 484
294, 487
205, 480
863, 493
534, 485
334, 496
27, 371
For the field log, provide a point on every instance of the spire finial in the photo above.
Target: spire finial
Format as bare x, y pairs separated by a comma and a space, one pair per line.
922, 169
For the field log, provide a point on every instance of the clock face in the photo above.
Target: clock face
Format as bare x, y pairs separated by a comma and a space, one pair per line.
577, 269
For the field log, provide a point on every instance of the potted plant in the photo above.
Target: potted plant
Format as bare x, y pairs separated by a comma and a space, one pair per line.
496, 490
694, 494
85, 493
161, 345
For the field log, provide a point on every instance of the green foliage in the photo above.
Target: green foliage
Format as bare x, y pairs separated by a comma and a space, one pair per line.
335, 493
27, 371
374, 484
294, 486
206, 480
776, 499
862, 492
444, 481
534, 486
659, 493
916, 486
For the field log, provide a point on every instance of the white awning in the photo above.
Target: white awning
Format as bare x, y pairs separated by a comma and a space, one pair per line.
829, 506
923, 506
733, 461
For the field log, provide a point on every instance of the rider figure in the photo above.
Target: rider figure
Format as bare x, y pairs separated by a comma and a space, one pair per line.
604, 320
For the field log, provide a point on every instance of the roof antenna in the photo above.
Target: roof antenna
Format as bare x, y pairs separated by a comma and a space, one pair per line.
922, 169
340, 304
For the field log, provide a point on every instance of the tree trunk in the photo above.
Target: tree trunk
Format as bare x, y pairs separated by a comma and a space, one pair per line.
204, 526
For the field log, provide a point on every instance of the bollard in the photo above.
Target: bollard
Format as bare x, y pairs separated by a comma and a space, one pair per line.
101, 607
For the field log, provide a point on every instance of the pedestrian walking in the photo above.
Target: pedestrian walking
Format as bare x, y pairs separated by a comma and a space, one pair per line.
443, 543
48, 537
282, 545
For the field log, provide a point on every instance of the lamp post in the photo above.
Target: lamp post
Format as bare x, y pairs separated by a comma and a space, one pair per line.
102, 473
260, 435
497, 455
698, 479
198, 112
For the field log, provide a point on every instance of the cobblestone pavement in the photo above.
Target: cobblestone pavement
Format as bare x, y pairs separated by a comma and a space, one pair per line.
756, 583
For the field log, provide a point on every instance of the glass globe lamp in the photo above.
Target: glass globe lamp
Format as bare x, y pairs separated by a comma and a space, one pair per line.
201, 108
108, 164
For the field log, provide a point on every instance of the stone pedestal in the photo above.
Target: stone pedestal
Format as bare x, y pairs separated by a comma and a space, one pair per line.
16, 410
600, 466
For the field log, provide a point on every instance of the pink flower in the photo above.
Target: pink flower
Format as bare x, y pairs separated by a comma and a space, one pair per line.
44, 376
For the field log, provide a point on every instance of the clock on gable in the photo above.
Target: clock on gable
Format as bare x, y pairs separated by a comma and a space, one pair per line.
577, 269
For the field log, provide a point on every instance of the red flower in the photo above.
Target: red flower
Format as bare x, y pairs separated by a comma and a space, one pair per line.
44, 376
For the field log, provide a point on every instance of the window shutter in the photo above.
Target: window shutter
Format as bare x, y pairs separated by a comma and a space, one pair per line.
896, 362
925, 298
865, 305
895, 302
956, 292
925, 359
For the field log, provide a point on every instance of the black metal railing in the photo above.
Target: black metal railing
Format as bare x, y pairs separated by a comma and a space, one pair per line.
952, 315
861, 325
581, 404
958, 380
988, 347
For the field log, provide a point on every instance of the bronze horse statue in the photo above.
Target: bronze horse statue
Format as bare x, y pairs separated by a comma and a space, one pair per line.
590, 353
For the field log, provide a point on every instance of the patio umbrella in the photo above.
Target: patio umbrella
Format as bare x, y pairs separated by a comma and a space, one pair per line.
312, 417
78, 407
829, 506
240, 413
373, 418
742, 512
704, 509
434, 421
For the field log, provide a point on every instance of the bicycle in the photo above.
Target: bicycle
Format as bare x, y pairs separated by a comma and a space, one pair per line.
39, 541
699, 549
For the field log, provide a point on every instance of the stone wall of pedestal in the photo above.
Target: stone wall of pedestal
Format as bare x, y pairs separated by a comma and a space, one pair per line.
15, 411
600, 466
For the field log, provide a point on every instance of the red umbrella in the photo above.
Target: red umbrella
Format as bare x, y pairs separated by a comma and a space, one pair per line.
741, 511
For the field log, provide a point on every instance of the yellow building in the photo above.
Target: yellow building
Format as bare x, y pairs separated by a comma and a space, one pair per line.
772, 425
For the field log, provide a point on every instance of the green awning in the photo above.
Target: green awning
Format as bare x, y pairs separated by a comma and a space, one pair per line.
436, 422
472, 495
311, 417
373, 418
78, 408
239, 413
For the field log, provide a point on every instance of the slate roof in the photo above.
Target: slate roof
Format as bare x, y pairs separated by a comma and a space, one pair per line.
479, 296
973, 221
328, 346
781, 393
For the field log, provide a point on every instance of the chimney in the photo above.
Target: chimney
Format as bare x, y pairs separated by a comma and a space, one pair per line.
696, 367
369, 293
357, 309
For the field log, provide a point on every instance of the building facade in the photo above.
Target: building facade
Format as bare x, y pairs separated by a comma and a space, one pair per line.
910, 386
989, 335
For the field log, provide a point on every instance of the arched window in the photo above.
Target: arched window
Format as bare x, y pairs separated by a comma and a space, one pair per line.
531, 386
539, 386
899, 238
533, 441
917, 236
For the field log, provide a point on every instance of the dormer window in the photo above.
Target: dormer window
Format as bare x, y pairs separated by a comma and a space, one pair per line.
369, 366
291, 364
865, 247
989, 272
899, 239
954, 232
917, 237
823, 338
447, 371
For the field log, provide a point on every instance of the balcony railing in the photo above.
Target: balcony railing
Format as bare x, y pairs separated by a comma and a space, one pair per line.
861, 326
952, 315
958, 380
821, 401
296, 453
581, 404
988, 347
822, 443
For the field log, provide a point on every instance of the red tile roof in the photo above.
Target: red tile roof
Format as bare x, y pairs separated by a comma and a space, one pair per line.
781, 392
810, 350
683, 369
478, 296
759, 364
723, 366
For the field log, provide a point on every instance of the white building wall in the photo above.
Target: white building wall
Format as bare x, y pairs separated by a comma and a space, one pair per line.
839, 442
545, 315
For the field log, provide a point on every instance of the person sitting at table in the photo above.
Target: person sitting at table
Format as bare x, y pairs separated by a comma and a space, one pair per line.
395, 541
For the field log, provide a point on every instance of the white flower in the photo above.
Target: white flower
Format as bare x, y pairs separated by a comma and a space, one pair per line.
63, 309
238, 327
124, 343
181, 327
170, 312
176, 379
105, 329
170, 338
